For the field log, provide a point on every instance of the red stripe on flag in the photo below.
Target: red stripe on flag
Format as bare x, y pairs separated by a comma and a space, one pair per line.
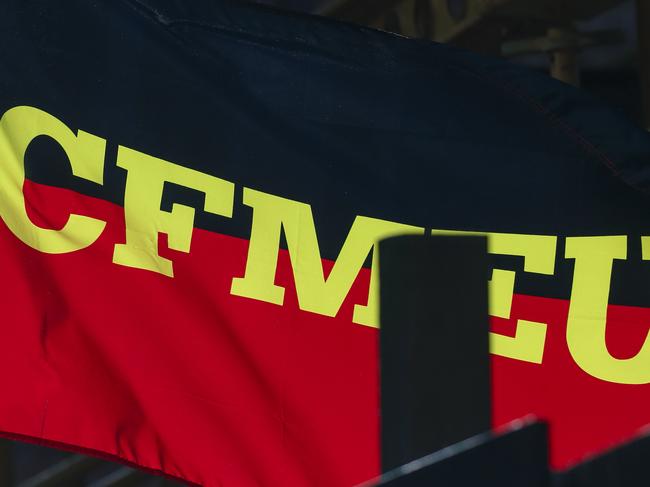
180, 376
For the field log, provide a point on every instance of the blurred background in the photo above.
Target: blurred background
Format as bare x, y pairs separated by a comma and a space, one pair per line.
602, 46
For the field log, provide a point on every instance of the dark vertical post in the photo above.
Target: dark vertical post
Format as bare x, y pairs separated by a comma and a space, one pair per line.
435, 380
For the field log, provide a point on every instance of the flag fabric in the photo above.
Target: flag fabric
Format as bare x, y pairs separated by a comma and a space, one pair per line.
190, 194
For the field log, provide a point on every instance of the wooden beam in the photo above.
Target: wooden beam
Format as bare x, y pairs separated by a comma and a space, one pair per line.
564, 62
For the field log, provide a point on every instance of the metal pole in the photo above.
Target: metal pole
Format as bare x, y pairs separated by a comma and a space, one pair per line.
123, 477
68, 472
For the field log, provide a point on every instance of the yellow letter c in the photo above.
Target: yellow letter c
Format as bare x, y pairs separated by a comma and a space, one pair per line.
18, 127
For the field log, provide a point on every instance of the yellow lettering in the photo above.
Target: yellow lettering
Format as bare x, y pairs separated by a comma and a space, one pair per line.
315, 293
539, 257
144, 218
18, 127
587, 322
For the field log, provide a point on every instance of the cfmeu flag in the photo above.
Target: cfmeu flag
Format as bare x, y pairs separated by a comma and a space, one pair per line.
190, 196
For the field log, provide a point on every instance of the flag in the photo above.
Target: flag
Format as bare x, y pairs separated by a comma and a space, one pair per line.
190, 197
